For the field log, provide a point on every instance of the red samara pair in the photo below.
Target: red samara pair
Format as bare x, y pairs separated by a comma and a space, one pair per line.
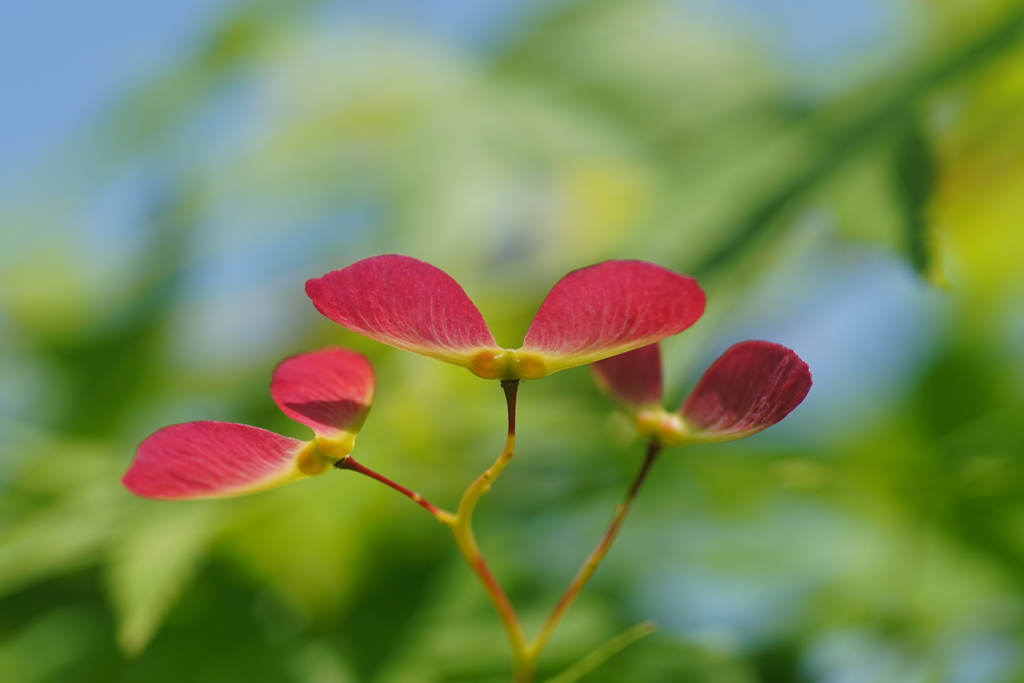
611, 314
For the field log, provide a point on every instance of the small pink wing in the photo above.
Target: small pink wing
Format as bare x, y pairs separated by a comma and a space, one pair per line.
329, 390
404, 302
750, 387
632, 378
211, 460
611, 308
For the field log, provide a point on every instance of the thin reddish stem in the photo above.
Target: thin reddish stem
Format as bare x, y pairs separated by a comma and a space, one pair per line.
349, 463
592, 562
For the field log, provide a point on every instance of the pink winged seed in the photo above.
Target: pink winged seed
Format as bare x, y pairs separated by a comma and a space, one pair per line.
753, 385
403, 302
632, 378
208, 460
329, 390
611, 308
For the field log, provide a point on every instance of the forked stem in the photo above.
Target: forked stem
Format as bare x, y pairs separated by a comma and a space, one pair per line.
461, 524
592, 562
524, 654
462, 531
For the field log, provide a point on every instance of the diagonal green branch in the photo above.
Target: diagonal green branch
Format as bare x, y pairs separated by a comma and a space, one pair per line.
899, 100
604, 652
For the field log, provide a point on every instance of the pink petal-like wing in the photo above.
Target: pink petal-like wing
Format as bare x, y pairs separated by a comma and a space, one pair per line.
211, 460
329, 390
407, 303
751, 386
608, 309
632, 378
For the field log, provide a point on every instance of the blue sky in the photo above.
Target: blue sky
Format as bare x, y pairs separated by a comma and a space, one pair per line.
64, 62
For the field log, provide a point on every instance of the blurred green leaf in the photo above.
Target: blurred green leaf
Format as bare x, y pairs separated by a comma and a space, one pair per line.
48, 646
152, 560
914, 166
71, 504
865, 202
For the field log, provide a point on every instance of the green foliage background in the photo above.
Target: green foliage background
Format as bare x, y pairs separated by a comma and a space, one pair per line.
877, 535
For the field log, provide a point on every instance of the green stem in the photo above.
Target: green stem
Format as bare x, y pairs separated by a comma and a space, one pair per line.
462, 531
590, 566
605, 652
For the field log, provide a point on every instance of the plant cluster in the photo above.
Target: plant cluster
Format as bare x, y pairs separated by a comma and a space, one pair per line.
611, 315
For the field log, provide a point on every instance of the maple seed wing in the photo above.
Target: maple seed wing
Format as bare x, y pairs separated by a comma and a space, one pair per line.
633, 378
753, 385
608, 309
212, 460
329, 390
406, 303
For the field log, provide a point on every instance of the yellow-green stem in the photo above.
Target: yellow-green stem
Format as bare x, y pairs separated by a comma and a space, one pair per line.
462, 531
590, 566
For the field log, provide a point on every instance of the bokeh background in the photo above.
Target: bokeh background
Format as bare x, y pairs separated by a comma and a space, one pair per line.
843, 177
